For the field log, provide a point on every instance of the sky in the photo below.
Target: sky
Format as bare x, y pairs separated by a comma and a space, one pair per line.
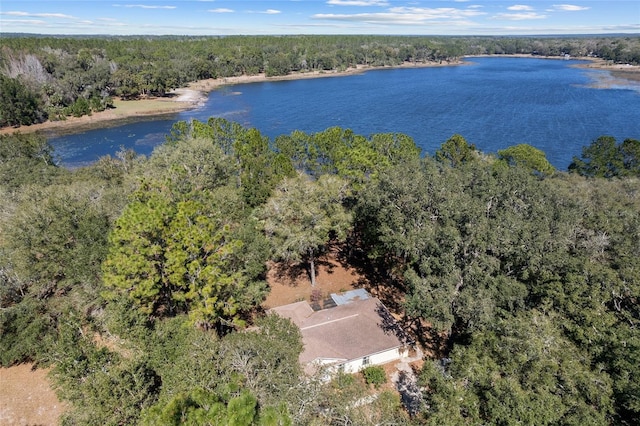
278, 17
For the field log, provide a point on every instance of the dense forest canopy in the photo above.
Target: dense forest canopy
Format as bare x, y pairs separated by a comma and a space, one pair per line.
55, 77
522, 281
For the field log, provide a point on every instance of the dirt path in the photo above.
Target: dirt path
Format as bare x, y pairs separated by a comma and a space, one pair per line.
406, 383
26, 397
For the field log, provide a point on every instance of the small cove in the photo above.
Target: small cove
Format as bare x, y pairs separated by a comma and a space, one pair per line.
493, 102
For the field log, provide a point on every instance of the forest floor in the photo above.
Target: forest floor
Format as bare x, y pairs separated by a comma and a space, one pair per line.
291, 283
336, 272
27, 398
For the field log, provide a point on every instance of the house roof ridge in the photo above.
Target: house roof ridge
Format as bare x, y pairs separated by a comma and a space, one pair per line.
330, 321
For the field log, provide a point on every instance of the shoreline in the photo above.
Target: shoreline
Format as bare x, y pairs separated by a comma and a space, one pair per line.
196, 93
187, 98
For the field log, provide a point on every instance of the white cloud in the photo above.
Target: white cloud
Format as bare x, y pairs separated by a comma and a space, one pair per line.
569, 8
144, 6
221, 10
520, 7
358, 2
437, 13
519, 16
407, 16
24, 21
110, 22
38, 15
373, 18
265, 12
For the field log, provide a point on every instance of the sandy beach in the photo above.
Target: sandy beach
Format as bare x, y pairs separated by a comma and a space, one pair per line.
178, 100
196, 93
186, 98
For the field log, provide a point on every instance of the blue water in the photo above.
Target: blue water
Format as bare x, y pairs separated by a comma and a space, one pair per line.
493, 102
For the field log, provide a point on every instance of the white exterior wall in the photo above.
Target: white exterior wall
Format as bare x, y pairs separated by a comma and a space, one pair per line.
355, 365
352, 366
384, 357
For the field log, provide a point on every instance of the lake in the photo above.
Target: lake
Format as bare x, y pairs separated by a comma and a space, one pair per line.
494, 102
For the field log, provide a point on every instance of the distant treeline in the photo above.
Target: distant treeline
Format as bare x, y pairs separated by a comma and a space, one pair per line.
50, 78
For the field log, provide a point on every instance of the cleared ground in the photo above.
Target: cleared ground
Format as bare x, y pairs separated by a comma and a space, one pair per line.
26, 397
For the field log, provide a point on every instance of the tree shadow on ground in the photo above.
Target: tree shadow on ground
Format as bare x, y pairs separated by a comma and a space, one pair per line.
410, 393
382, 278
391, 326
434, 344
291, 273
376, 277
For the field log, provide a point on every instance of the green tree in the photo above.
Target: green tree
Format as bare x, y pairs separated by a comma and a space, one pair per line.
456, 151
277, 64
303, 215
521, 371
600, 159
257, 369
18, 145
374, 375
340, 151
171, 256
27, 159
24, 328
103, 387
467, 242
245, 153
296, 146
57, 241
630, 150
18, 105
260, 168
266, 360
192, 164
622, 357
202, 407
527, 156
360, 160
340, 401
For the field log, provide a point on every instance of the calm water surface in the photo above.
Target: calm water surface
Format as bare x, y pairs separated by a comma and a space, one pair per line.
494, 103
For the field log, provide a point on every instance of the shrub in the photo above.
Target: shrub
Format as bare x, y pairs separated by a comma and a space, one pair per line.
374, 375
343, 380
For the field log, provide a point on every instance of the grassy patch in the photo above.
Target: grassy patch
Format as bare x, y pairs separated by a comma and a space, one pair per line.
145, 106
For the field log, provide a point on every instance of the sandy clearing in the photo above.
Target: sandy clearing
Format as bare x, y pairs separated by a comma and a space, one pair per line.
26, 397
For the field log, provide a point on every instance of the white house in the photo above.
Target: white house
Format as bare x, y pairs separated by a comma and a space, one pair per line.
358, 332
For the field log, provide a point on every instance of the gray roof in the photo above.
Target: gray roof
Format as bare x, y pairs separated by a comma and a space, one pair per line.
345, 332
350, 296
